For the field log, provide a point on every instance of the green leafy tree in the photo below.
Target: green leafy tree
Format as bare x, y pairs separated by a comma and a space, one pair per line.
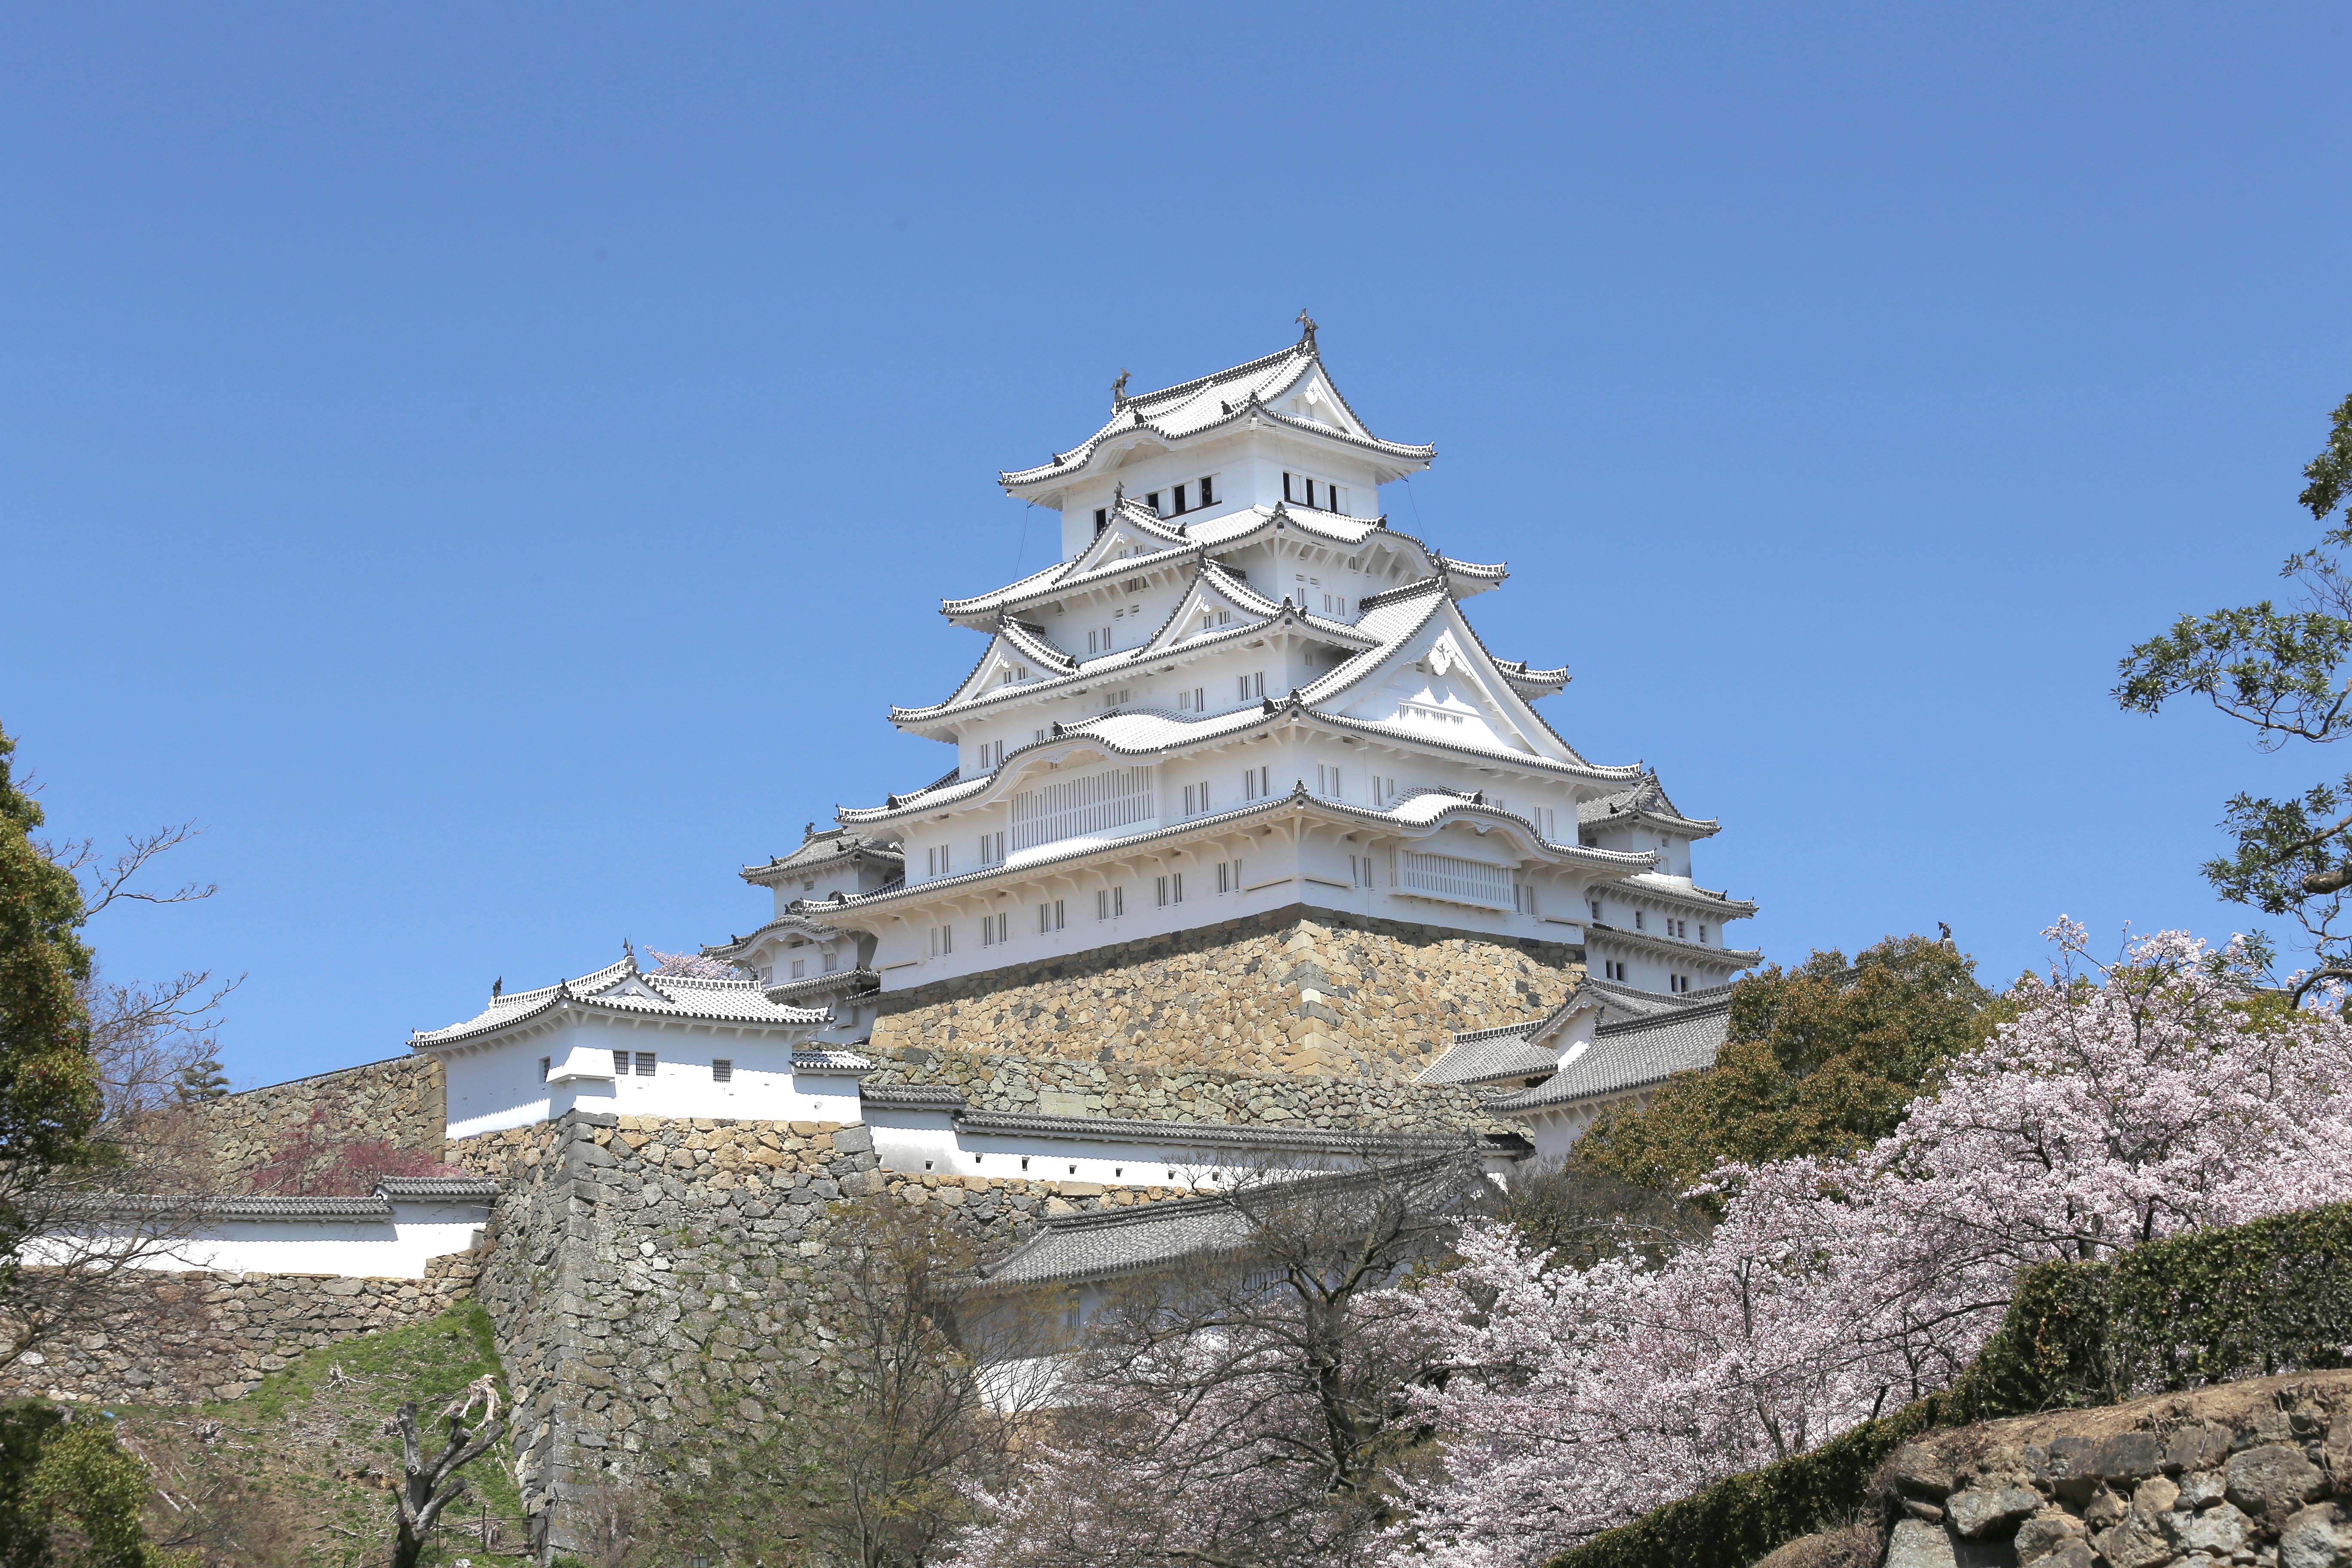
2281, 671
49, 1097
1820, 1059
70, 1497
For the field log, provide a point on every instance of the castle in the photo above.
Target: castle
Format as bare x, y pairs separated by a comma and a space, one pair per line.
1238, 700
1252, 855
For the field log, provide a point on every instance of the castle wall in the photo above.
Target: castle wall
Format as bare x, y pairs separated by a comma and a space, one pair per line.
1055, 1086
399, 1100
178, 1338
649, 1278
1297, 991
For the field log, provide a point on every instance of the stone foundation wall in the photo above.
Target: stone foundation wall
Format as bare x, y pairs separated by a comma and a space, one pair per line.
1297, 991
2250, 1473
178, 1338
648, 1278
401, 1099
1051, 1085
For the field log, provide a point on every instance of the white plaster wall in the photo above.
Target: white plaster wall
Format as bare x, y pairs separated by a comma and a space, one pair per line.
498, 1085
398, 1248
928, 1142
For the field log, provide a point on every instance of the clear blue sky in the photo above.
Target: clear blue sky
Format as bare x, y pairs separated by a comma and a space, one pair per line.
493, 465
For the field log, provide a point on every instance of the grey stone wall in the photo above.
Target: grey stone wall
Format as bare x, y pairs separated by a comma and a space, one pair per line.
401, 1099
175, 1339
2250, 1473
648, 1278
1298, 991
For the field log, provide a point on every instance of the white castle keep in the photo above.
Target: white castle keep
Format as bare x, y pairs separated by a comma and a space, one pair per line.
1237, 690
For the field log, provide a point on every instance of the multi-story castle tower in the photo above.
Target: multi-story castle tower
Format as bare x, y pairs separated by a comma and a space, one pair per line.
1239, 704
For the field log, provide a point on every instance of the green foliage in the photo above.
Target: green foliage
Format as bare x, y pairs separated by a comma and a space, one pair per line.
2219, 1305
48, 1086
69, 1496
1820, 1060
2279, 671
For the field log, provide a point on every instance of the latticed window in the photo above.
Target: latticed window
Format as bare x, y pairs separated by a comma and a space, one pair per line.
1099, 802
1455, 879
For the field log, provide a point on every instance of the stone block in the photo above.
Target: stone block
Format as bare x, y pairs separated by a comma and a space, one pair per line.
2314, 1538
2272, 1482
1915, 1543
1986, 1511
2045, 1535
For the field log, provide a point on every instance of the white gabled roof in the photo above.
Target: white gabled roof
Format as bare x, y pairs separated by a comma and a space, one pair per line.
1290, 390
623, 990
1220, 535
1645, 801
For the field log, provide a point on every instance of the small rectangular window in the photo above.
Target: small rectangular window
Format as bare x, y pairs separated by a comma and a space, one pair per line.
1208, 489
722, 1070
1702, 934
1640, 920
1286, 488
1151, 500
1102, 517
544, 1063
645, 1064
1179, 500
621, 1064
800, 968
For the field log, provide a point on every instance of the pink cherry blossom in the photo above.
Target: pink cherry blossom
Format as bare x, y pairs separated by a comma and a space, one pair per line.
2120, 1105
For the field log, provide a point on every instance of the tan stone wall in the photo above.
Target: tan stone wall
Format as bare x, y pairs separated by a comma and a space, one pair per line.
1052, 1086
1297, 991
400, 1099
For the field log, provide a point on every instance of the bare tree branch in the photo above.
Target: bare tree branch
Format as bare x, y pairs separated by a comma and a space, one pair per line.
104, 884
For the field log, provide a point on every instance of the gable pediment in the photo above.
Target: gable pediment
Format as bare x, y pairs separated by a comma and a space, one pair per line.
1441, 683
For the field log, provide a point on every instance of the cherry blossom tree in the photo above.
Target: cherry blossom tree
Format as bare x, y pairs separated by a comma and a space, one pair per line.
1248, 1408
2121, 1104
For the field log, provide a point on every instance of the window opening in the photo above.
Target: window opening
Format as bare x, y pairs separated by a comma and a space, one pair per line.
722, 1070
646, 1063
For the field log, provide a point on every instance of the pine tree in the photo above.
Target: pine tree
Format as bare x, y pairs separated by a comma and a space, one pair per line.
48, 1086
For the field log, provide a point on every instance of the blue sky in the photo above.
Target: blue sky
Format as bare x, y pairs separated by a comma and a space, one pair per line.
494, 465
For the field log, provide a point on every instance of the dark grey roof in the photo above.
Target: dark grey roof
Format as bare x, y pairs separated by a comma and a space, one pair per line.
375, 1206
1629, 1056
822, 851
1121, 1241
1645, 799
1486, 1056
409, 1189
1505, 1053
911, 1096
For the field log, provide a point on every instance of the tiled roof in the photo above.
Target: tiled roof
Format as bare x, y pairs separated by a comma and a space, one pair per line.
1672, 947
1629, 1056
1424, 809
833, 848
1213, 402
1218, 535
376, 1206
833, 1060
1513, 1050
622, 989
1646, 800
417, 1189
911, 1096
1507, 1054
1111, 1242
